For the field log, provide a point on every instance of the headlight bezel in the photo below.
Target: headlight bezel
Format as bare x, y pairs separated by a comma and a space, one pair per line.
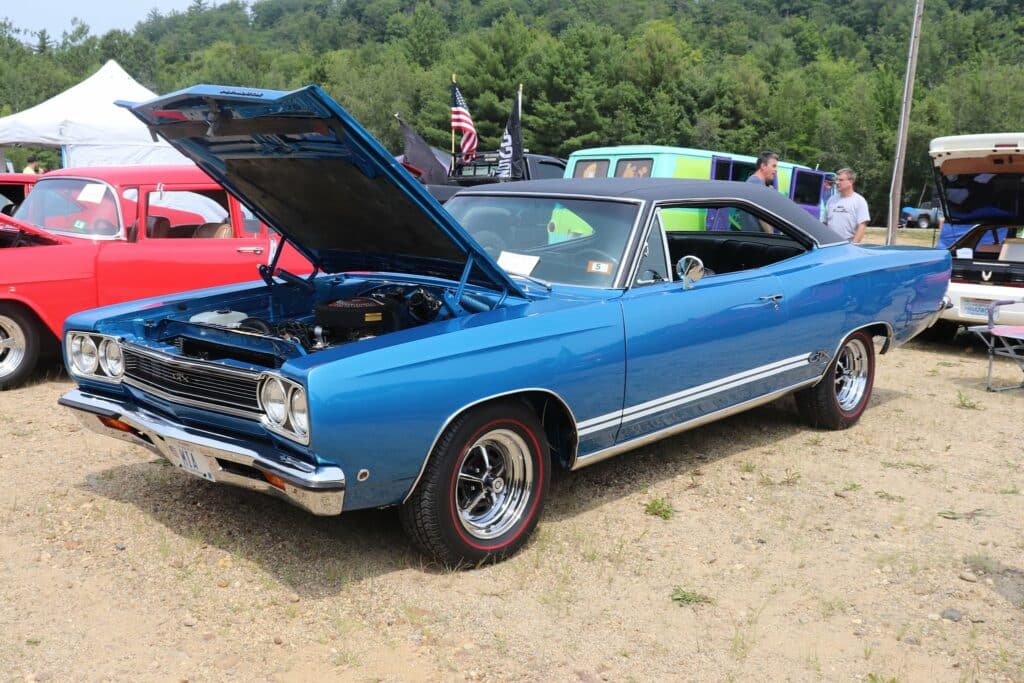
293, 423
97, 369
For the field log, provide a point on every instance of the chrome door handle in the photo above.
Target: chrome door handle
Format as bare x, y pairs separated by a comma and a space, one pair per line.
774, 298
250, 250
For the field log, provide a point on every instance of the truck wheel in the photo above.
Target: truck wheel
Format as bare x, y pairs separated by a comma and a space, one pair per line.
924, 222
839, 399
484, 488
19, 345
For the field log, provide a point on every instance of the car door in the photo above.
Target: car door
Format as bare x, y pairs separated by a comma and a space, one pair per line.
187, 237
692, 351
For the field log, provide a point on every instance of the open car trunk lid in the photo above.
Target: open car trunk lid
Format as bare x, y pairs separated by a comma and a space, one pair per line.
980, 177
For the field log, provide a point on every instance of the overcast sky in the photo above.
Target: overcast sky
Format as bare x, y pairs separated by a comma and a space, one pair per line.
100, 15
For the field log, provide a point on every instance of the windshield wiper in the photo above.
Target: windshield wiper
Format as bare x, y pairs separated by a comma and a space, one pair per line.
536, 280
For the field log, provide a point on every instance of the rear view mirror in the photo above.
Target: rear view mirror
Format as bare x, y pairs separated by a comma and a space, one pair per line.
690, 270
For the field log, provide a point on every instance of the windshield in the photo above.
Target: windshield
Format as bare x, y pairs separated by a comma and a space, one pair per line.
569, 241
75, 206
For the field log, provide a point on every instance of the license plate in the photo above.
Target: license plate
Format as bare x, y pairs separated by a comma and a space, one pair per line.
190, 460
975, 307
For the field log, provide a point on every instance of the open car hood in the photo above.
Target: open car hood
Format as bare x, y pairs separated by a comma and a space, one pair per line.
308, 169
980, 177
13, 225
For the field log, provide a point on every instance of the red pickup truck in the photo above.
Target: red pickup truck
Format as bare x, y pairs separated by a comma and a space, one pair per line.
95, 236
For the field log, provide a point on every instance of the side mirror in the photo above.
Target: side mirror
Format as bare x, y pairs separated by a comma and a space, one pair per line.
690, 270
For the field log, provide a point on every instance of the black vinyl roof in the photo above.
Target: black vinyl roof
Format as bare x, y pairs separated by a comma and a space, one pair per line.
652, 190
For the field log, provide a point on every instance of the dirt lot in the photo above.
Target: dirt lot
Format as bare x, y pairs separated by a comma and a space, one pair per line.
893, 550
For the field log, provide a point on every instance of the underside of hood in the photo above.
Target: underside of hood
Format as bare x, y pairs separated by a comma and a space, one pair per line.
308, 169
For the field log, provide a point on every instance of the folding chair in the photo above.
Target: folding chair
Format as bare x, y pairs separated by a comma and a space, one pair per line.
1002, 340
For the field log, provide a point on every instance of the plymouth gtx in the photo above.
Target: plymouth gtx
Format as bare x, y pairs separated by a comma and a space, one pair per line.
444, 360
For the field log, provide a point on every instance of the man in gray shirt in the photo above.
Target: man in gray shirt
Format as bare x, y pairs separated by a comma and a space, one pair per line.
763, 175
846, 211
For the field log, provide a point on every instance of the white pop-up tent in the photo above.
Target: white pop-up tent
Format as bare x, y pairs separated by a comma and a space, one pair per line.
88, 127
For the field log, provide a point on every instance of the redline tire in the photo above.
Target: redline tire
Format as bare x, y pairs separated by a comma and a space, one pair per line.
484, 487
839, 399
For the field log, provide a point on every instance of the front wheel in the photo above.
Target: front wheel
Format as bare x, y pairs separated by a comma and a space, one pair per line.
19, 345
839, 399
484, 488
924, 222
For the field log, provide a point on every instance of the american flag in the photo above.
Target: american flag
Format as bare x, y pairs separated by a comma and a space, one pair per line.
461, 120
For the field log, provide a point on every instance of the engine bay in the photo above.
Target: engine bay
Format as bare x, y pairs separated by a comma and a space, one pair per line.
268, 340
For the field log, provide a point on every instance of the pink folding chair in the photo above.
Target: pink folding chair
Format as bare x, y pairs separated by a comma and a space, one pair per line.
1006, 341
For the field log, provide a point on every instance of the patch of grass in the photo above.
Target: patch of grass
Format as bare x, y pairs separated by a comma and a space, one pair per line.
946, 364
816, 440
764, 480
908, 465
686, 597
875, 678
982, 564
747, 466
32, 641
830, 608
851, 486
1012, 491
791, 477
660, 507
966, 402
889, 497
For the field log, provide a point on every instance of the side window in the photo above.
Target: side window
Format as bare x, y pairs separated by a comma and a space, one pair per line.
727, 238
177, 214
807, 189
591, 168
741, 170
633, 168
546, 169
250, 224
654, 266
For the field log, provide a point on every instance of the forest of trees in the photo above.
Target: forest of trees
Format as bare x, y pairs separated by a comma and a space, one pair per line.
820, 82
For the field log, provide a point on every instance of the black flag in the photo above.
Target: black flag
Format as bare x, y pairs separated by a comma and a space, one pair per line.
510, 154
418, 153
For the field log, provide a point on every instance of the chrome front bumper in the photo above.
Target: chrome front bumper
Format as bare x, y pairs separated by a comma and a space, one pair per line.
216, 457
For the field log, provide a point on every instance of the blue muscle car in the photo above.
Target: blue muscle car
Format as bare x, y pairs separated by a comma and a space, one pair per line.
444, 360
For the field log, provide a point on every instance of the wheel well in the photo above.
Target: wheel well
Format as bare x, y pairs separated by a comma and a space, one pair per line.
50, 344
550, 409
880, 330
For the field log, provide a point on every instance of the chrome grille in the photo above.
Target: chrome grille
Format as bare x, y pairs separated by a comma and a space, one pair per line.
192, 383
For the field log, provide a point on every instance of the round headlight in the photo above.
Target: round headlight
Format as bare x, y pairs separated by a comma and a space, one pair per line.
298, 412
83, 354
274, 398
111, 359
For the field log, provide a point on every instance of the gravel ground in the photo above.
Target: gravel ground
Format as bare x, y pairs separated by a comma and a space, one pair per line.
893, 550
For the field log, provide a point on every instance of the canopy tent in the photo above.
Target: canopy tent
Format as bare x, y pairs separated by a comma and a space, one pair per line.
88, 127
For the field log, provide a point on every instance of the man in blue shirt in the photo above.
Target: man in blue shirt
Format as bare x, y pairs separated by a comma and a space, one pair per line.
763, 175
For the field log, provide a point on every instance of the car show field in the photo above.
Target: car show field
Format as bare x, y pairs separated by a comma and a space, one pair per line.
749, 548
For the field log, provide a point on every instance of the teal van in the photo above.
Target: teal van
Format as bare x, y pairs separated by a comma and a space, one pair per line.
802, 184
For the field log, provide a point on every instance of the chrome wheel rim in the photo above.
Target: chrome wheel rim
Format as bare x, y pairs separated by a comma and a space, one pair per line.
494, 483
12, 346
852, 370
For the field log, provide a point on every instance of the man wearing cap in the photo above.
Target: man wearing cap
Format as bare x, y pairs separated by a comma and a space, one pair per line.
847, 211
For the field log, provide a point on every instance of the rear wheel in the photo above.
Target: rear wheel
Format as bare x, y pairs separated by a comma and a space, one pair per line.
924, 222
484, 488
839, 399
19, 345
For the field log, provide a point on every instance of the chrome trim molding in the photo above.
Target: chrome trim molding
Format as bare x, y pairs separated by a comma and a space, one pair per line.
319, 490
692, 394
460, 411
611, 451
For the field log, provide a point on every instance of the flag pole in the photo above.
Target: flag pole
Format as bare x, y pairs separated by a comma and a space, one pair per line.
452, 169
896, 187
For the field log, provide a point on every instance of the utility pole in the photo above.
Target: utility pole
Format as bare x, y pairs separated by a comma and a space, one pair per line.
896, 188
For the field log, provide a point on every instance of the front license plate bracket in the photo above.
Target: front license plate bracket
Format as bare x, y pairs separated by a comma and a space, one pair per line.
189, 458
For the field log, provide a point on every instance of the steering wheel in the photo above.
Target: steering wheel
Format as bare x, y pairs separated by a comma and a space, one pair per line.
104, 227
